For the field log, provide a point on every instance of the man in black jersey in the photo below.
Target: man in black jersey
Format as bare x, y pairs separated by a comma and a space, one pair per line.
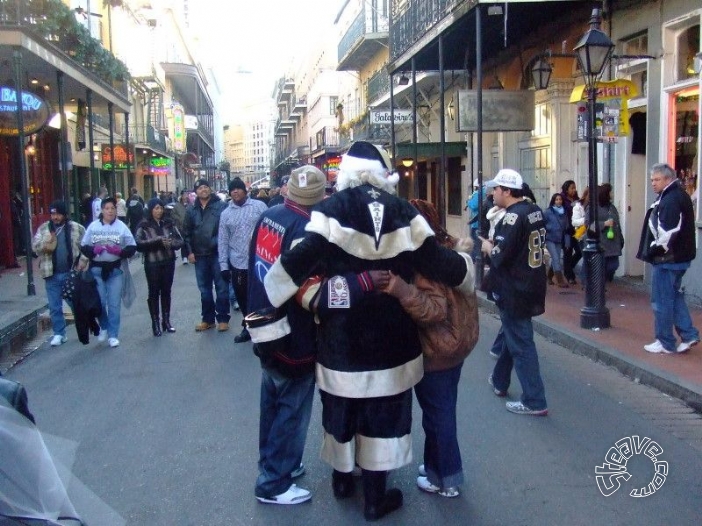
518, 281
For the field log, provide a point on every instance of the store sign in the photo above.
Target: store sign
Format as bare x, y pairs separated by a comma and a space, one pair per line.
35, 112
123, 157
384, 117
503, 110
191, 122
331, 168
611, 109
160, 165
178, 127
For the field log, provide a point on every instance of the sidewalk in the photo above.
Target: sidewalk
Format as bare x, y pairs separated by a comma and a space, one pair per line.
620, 346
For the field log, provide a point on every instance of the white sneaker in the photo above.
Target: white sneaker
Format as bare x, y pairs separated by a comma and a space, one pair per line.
422, 471
686, 346
185, 261
424, 484
114, 342
657, 348
102, 336
294, 495
57, 340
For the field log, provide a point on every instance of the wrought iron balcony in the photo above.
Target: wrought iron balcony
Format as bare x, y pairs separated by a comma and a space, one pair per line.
149, 136
412, 19
299, 106
378, 85
327, 137
55, 23
367, 35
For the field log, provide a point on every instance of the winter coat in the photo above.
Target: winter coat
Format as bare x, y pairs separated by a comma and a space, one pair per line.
668, 234
556, 226
87, 307
610, 247
149, 240
201, 226
446, 317
47, 260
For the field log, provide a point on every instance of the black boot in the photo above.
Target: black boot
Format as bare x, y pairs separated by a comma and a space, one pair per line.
153, 310
243, 336
378, 501
342, 484
166, 309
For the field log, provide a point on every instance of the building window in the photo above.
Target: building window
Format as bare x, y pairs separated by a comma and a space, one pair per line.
688, 45
535, 165
635, 45
454, 192
542, 120
333, 102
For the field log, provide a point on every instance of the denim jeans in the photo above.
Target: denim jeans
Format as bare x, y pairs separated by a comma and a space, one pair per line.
669, 307
520, 351
437, 394
286, 407
110, 292
53, 295
556, 252
499, 344
207, 274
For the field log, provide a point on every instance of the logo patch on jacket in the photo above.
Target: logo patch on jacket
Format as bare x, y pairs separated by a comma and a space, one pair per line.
377, 211
339, 297
269, 241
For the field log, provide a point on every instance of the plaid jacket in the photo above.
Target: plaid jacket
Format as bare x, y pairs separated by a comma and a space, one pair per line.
46, 259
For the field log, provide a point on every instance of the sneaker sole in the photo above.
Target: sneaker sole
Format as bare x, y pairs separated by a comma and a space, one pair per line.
542, 412
298, 500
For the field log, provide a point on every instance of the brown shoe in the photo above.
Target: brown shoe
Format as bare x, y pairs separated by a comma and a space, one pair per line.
223, 326
203, 326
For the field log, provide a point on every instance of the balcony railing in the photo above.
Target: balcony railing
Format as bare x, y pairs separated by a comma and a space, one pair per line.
327, 137
378, 85
54, 22
411, 19
367, 22
148, 135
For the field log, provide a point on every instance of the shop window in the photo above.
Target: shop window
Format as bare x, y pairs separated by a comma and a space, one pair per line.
687, 126
535, 166
688, 45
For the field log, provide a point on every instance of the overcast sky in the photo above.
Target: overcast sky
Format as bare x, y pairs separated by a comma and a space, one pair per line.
252, 43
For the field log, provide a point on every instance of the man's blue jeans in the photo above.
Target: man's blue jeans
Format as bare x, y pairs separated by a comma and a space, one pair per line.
54, 284
286, 408
520, 351
110, 292
207, 274
437, 394
669, 307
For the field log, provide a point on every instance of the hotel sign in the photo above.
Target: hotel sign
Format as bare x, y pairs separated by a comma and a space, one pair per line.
503, 110
35, 112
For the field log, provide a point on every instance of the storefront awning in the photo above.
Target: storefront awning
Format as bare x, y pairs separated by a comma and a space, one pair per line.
427, 150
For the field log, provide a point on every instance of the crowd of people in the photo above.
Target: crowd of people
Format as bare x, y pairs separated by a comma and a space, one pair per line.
307, 269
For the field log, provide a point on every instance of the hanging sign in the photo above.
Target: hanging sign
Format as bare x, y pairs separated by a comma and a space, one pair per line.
177, 123
35, 112
503, 110
611, 109
121, 154
384, 117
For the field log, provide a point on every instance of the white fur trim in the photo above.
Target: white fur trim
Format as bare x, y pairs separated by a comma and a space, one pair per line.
355, 171
371, 453
280, 287
363, 245
467, 286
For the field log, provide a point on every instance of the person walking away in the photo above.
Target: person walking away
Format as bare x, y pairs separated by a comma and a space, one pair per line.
201, 227
518, 282
58, 244
158, 238
86, 210
121, 208
668, 244
557, 237
287, 376
611, 238
369, 354
447, 319
281, 194
571, 251
473, 205
236, 227
135, 210
97, 203
106, 242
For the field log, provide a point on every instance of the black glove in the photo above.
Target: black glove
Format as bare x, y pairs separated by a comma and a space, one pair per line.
226, 275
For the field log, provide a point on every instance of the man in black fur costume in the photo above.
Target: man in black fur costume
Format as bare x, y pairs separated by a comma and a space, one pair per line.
369, 355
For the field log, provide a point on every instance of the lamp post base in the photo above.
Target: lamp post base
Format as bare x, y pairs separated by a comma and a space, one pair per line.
594, 315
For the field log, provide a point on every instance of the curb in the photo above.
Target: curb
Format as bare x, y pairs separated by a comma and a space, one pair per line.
632, 368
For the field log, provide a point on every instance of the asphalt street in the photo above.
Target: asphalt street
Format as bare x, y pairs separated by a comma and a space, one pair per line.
164, 431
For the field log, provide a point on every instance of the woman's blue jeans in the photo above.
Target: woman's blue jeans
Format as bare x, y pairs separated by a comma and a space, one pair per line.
110, 292
437, 394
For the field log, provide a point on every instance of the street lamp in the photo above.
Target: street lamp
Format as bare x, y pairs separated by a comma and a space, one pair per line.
593, 51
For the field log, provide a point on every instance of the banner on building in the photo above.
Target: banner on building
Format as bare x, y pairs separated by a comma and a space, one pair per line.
384, 117
611, 109
503, 110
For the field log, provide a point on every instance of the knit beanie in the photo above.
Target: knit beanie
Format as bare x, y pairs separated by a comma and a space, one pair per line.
201, 182
155, 202
58, 207
306, 185
237, 183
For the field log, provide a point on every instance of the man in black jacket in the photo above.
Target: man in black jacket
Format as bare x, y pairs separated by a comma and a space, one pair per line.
201, 227
668, 243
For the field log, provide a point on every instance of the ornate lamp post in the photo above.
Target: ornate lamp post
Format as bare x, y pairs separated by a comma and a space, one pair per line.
593, 52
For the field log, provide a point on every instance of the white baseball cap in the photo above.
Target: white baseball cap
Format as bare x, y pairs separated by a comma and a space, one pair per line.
508, 178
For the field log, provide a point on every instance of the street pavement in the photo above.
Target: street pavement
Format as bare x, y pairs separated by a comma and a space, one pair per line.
163, 431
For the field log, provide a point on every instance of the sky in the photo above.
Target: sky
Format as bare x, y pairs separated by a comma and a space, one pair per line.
252, 43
